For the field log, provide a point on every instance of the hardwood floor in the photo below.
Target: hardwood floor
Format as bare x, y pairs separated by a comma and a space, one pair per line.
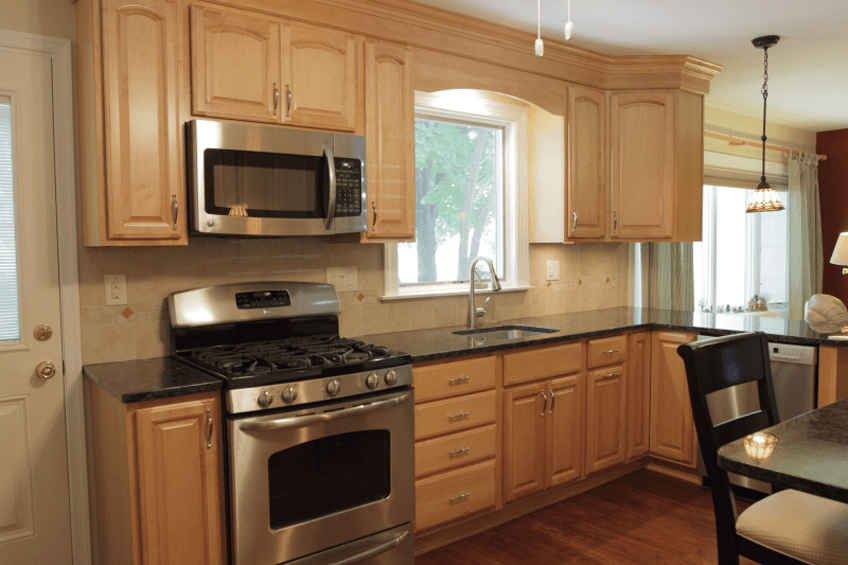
642, 518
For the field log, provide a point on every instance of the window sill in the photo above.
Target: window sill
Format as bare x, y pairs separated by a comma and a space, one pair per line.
431, 293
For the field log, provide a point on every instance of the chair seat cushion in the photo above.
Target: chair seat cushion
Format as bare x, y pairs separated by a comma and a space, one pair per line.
809, 528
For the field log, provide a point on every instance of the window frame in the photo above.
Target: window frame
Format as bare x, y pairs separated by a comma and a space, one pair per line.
513, 119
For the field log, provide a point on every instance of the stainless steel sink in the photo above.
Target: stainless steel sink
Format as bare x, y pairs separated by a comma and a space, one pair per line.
506, 333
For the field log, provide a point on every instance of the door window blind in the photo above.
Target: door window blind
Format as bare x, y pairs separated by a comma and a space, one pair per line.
9, 316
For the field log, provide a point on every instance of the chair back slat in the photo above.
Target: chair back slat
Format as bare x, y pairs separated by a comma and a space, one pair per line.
741, 426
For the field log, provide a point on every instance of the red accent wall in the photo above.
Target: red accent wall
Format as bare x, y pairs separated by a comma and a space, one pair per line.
833, 193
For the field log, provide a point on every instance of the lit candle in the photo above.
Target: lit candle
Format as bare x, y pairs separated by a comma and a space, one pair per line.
759, 445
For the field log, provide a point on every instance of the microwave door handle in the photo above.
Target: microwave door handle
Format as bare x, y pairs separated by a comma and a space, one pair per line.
331, 166
326, 417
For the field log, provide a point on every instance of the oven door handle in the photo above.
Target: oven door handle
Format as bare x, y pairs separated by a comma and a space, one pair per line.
331, 207
342, 553
302, 421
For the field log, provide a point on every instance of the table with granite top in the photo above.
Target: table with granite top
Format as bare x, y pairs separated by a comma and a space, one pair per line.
811, 454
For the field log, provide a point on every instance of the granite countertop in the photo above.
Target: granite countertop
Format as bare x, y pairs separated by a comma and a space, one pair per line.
440, 343
811, 453
150, 379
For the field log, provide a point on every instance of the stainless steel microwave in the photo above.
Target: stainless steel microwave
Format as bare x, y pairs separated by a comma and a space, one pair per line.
253, 180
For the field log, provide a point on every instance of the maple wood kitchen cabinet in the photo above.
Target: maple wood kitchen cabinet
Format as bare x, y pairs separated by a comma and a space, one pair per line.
131, 164
272, 70
638, 409
656, 165
673, 435
390, 137
585, 170
605, 402
158, 479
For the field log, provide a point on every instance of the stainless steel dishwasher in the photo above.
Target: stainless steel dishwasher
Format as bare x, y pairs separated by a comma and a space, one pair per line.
793, 369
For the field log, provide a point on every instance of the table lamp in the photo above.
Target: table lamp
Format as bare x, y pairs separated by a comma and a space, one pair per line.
840, 252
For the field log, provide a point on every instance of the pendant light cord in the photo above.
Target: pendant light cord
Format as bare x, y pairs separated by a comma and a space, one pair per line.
538, 19
765, 99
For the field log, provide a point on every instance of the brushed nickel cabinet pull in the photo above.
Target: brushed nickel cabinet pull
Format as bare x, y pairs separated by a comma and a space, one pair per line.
288, 100
175, 209
545, 399
460, 415
458, 451
374, 218
608, 375
209, 424
610, 351
553, 399
460, 497
574, 224
458, 380
615, 222
276, 98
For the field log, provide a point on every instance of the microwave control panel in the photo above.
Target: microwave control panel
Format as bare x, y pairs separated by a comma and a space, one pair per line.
348, 187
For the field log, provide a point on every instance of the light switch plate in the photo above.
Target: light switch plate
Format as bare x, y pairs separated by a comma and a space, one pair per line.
116, 289
343, 278
552, 270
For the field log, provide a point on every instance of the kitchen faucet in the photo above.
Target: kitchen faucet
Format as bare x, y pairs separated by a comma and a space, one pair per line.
474, 312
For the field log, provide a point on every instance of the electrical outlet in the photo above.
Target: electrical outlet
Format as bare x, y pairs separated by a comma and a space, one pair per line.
552, 270
343, 278
116, 289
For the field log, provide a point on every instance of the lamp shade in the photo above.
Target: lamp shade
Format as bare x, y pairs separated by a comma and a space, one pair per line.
840, 252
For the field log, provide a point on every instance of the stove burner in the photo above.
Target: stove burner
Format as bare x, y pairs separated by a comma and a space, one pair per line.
259, 358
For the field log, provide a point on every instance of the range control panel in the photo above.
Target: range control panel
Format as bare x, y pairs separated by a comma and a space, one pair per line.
262, 299
788, 353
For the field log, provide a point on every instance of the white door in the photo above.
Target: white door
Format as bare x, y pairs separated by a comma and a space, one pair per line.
34, 498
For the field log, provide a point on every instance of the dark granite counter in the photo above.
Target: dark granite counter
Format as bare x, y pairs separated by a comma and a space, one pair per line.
811, 454
428, 345
150, 379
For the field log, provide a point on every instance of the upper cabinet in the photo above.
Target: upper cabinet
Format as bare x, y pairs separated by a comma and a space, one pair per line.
390, 138
585, 170
235, 66
270, 70
656, 165
133, 188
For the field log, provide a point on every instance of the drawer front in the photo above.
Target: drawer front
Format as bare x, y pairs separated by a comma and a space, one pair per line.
454, 414
527, 366
607, 351
453, 494
453, 450
455, 377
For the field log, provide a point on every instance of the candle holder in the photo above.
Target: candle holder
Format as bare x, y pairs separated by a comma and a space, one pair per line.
759, 445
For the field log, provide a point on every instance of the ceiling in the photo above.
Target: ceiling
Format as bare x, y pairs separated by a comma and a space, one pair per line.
808, 73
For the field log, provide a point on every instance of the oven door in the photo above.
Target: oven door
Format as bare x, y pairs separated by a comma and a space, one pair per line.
307, 481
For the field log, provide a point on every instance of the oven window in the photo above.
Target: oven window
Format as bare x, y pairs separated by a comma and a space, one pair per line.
328, 475
264, 185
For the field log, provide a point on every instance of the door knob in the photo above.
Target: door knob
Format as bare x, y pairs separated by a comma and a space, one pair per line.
43, 332
45, 370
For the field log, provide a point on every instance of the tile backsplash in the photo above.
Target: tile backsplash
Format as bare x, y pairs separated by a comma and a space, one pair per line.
592, 275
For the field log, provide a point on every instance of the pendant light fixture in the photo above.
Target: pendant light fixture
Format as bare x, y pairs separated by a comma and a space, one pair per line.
569, 27
765, 198
540, 45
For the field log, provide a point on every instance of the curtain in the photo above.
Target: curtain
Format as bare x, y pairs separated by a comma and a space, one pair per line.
668, 280
805, 239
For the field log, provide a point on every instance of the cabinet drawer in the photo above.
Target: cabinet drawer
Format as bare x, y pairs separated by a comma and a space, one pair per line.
526, 366
453, 450
444, 416
456, 377
454, 494
607, 350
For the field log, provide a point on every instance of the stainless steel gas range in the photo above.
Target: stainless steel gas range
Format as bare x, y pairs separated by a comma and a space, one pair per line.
319, 428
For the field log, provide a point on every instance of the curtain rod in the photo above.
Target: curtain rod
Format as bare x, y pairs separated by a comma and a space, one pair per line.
733, 141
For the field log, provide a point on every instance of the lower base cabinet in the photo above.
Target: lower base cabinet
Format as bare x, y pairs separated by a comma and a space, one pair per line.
158, 480
454, 494
605, 417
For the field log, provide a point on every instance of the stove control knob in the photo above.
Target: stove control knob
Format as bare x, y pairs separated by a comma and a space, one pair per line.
333, 387
289, 395
391, 378
265, 399
373, 381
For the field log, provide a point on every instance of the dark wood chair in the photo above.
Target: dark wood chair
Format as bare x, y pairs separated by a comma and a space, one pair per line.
786, 528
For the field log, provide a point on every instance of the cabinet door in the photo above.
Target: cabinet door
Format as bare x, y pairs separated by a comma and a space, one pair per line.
145, 190
585, 175
390, 134
321, 66
642, 154
564, 430
672, 428
638, 394
180, 489
524, 440
235, 66
605, 418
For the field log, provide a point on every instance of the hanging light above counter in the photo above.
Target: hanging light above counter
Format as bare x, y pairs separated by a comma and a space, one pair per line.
539, 47
765, 198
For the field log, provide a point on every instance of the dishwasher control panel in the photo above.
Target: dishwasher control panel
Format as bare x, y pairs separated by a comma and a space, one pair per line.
789, 353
